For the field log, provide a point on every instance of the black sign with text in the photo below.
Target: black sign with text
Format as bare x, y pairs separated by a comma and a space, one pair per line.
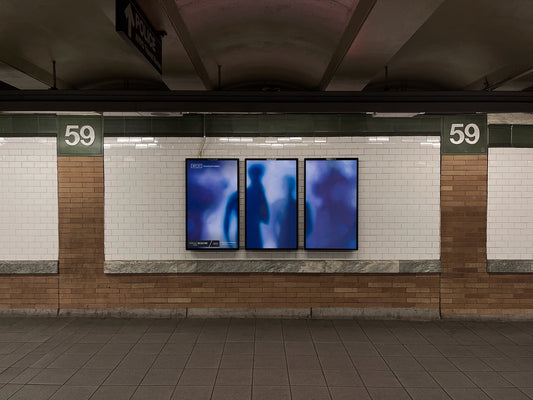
133, 24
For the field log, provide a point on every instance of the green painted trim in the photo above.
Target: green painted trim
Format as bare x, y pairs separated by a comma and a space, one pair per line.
28, 125
188, 125
235, 125
31, 125
271, 125
500, 136
520, 136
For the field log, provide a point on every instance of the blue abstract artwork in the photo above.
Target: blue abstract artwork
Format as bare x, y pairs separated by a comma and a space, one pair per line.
331, 204
271, 204
212, 204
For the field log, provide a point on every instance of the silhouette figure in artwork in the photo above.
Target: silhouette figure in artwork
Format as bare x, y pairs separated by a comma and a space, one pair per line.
308, 220
205, 203
231, 214
257, 207
334, 223
284, 211
201, 201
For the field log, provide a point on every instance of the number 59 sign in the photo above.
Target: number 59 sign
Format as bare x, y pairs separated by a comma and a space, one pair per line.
464, 134
80, 136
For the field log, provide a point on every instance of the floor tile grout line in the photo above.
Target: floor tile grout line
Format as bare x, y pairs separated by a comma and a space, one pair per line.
25, 384
188, 358
350, 357
447, 358
391, 369
521, 326
317, 356
74, 332
487, 326
396, 375
22, 385
118, 364
476, 386
155, 358
253, 359
220, 361
285, 353
64, 384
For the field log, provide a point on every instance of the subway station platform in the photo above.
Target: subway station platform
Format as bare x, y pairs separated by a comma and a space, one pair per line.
263, 359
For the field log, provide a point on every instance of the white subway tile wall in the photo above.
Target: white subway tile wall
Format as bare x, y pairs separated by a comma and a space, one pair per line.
510, 204
399, 194
28, 199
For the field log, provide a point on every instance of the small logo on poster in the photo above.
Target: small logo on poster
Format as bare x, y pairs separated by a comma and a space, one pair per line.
204, 243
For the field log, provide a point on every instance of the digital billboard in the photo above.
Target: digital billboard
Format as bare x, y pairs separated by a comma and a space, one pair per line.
331, 204
271, 204
212, 208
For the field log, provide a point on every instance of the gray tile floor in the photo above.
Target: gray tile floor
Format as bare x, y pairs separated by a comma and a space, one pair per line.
234, 359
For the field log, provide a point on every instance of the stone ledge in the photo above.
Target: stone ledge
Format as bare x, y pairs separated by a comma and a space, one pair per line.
29, 267
28, 312
124, 312
419, 266
272, 266
510, 266
412, 314
296, 313
278, 313
525, 315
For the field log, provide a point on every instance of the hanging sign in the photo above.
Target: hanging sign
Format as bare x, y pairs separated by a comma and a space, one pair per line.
133, 24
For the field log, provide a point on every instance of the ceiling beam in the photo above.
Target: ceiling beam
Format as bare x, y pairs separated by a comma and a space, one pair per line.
174, 16
389, 27
503, 77
22, 74
18, 79
278, 102
358, 18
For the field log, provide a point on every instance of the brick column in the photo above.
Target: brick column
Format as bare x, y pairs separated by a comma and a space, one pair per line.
81, 231
465, 285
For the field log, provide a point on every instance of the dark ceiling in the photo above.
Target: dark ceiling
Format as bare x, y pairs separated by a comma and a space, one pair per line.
273, 45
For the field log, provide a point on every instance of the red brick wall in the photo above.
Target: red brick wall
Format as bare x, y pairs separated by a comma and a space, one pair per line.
84, 285
29, 292
463, 288
466, 287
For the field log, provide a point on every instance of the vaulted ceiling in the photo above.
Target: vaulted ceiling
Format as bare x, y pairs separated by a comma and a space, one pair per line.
271, 45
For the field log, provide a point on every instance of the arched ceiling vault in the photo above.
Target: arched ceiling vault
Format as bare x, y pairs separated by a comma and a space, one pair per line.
274, 45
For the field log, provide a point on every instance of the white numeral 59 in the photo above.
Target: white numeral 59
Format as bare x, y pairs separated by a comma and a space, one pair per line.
470, 134
85, 135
